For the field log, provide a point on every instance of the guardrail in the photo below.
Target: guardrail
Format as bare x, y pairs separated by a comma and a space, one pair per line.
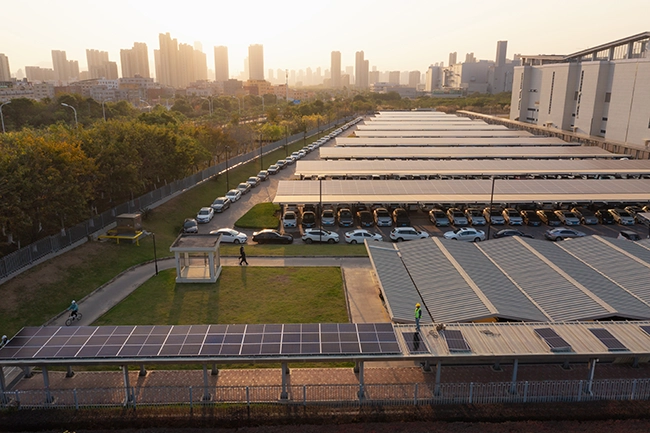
411, 394
43, 249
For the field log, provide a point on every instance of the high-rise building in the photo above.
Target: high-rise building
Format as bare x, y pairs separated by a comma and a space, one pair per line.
360, 71
414, 78
61, 67
5, 73
99, 66
256, 62
167, 60
36, 73
135, 61
373, 76
200, 64
178, 65
336, 69
452, 58
502, 48
469, 58
221, 72
393, 77
271, 74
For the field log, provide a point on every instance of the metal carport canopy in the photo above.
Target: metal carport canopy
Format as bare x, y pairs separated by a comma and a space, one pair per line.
462, 191
453, 141
474, 167
438, 126
459, 133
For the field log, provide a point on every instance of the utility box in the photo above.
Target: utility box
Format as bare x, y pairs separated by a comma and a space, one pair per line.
128, 223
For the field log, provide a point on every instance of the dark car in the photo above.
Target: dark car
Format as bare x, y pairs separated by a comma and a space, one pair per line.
401, 218
604, 216
531, 218
270, 236
190, 226
308, 219
365, 218
548, 217
510, 232
345, 217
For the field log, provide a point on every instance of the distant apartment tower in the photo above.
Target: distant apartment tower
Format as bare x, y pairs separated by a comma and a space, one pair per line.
373, 77
135, 61
434, 78
200, 64
361, 67
256, 62
5, 73
36, 73
502, 48
414, 78
336, 70
393, 77
221, 72
178, 65
99, 66
453, 58
469, 58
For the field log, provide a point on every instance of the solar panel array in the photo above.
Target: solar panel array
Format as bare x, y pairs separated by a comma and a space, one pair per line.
297, 339
459, 133
454, 141
554, 341
606, 337
456, 341
414, 343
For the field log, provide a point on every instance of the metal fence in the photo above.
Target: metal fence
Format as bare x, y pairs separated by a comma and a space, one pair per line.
24, 258
411, 394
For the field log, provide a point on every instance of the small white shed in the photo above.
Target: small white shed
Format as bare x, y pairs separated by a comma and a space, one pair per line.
197, 258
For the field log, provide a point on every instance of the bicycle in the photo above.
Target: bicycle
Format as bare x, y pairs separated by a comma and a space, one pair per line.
71, 319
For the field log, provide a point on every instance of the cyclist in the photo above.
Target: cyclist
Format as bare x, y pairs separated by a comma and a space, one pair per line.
73, 308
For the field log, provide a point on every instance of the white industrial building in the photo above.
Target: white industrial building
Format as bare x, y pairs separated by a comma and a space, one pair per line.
603, 91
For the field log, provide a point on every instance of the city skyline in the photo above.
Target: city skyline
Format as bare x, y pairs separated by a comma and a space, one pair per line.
299, 35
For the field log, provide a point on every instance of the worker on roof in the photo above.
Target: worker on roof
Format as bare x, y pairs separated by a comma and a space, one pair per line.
418, 316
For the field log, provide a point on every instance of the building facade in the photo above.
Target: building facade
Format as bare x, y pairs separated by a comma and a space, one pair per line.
602, 91
5, 72
221, 71
256, 62
336, 70
360, 71
135, 61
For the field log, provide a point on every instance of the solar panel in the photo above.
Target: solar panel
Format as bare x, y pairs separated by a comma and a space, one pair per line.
605, 337
456, 341
201, 340
414, 342
554, 341
646, 329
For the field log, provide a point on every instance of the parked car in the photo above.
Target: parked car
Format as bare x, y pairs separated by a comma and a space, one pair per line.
466, 234
231, 236
308, 219
531, 218
233, 195
328, 218
289, 160
622, 217
190, 226
512, 216
281, 163
399, 234
629, 235
585, 215
359, 235
604, 216
511, 232
568, 218
494, 216
382, 217
548, 217
457, 217
438, 217
263, 175
633, 210
562, 233
253, 181
220, 204
205, 215
289, 219
244, 187
401, 217
365, 218
320, 235
345, 217
295, 156
270, 236
273, 169
475, 216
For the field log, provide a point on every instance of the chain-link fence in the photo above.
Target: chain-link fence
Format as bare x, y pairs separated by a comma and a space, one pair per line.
411, 394
26, 257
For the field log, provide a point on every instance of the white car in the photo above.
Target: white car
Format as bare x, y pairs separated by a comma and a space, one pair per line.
359, 235
466, 234
253, 181
512, 217
318, 235
400, 234
568, 218
205, 215
290, 219
231, 236
233, 195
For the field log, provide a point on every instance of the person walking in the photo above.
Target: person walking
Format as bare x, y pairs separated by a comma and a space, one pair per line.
418, 316
242, 256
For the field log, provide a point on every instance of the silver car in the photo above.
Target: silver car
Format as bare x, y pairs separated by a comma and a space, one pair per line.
494, 216
400, 234
475, 216
622, 217
560, 233
568, 218
512, 216
328, 217
457, 217
382, 217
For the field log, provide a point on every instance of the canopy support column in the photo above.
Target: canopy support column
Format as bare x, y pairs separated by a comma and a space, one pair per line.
438, 373
513, 385
285, 370
46, 383
206, 384
361, 383
592, 371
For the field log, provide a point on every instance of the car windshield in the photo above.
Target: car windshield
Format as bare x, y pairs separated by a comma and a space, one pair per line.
328, 214
382, 213
204, 212
289, 216
345, 214
569, 215
439, 214
308, 217
189, 224
458, 214
218, 201
513, 213
495, 212
623, 213
475, 212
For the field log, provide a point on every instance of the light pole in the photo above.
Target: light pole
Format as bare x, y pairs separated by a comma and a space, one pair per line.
227, 180
76, 123
261, 154
155, 258
286, 140
490, 213
209, 103
2, 116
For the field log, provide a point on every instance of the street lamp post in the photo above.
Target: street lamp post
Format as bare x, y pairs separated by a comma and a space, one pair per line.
490, 212
2, 116
261, 154
209, 103
76, 123
227, 180
286, 140
155, 258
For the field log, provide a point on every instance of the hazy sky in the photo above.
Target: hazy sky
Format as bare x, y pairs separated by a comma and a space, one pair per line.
296, 34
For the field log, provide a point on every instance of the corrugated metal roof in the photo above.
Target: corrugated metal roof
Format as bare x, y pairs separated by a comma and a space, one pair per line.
487, 134
433, 126
400, 294
454, 141
465, 152
445, 293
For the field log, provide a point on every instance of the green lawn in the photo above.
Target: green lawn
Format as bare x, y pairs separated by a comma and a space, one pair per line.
241, 295
260, 216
